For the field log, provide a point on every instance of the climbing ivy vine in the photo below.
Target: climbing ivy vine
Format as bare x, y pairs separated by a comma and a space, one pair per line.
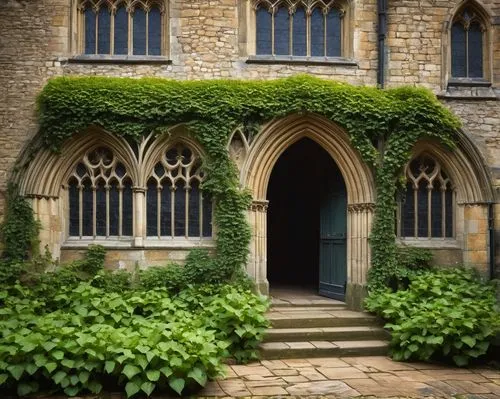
383, 126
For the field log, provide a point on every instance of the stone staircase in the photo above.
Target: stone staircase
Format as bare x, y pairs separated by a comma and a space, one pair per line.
321, 327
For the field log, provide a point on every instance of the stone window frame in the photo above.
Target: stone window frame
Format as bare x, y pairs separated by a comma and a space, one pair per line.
483, 16
77, 33
428, 178
247, 34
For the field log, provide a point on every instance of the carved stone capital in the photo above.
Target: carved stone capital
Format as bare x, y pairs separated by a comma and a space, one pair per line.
259, 206
362, 207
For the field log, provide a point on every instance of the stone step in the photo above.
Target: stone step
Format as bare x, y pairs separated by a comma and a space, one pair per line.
306, 349
313, 318
310, 303
298, 309
350, 333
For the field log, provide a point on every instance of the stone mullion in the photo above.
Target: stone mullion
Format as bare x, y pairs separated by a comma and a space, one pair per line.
107, 187
186, 213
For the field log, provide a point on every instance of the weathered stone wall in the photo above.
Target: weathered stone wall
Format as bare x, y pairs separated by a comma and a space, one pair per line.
36, 41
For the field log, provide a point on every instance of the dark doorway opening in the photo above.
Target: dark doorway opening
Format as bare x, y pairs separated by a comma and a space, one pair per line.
295, 189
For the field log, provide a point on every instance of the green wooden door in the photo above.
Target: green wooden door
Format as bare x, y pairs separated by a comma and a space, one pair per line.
333, 227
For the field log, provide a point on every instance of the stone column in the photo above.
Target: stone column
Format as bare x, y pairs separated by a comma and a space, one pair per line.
140, 214
359, 225
46, 211
257, 260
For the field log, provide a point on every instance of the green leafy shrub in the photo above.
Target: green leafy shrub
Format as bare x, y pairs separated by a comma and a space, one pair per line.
446, 313
140, 340
409, 263
170, 277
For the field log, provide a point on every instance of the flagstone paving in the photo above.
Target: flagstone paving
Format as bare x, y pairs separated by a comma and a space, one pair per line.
346, 377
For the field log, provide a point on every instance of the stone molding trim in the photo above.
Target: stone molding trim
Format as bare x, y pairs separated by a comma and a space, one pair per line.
259, 206
365, 207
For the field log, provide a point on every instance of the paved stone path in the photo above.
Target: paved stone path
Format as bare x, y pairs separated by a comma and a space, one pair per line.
373, 377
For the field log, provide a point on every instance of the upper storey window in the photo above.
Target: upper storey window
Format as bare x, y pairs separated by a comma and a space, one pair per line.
299, 28
122, 27
467, 45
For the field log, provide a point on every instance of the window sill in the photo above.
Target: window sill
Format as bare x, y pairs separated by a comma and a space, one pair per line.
128, 243
431, 243
469, 89
300, 60
468, 82
119, 59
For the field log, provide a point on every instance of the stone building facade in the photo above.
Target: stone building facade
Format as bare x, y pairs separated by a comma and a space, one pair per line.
217, 39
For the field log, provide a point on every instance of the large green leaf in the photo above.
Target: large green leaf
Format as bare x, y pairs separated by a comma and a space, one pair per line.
132, 388
177, 384
198, 375
130, 371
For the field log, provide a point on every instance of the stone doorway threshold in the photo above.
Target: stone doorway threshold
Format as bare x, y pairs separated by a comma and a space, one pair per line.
299, 296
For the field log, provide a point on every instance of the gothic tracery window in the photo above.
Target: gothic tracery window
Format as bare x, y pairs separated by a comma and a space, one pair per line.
100, 197
467, 41
176, 206
299, 28
427, 208
122, 27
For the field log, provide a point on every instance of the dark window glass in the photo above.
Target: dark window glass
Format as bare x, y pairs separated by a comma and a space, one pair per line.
121, 31
282, 32
166, 209
89, 17
207, 215
333, 38
408, 213
114, 209
449, 213
475, 52
423, 210
436, 211
194, 210
103, 31
317, 33
128, 209
458, 50
180, 209
299, 32
264, 31
87, 209
100, 212
74, 208
152, 209
139, 34
154, 32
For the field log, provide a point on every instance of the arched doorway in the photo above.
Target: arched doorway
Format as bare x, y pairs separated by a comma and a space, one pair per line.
307, 221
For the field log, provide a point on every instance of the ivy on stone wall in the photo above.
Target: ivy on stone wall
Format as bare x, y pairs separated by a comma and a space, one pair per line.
383, 126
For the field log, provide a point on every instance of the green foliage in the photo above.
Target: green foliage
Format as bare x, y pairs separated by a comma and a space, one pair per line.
409, 263
383, 125
140, 340
446, 313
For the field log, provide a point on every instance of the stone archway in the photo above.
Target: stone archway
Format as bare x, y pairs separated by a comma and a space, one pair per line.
264, 152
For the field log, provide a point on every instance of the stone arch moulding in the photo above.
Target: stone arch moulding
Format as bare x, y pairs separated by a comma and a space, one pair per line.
264, 152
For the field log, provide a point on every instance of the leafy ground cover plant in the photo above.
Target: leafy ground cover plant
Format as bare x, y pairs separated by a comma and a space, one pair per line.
448, 313
142, 341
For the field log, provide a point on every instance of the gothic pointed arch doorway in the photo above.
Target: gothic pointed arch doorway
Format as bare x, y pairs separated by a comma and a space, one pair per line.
307, 221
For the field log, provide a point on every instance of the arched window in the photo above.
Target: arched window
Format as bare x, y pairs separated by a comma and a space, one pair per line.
122, 27
100, 197
299, 28
428, 204
176, 205
467, 44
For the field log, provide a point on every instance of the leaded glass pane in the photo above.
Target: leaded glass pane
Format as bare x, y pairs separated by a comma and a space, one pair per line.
458, 51
449, 213
207, 215
408, 213
121, 31
103, 31
333, 33
317, 33
436, 211
166, 209
422, 210
180, 209
139, 32
100, 210
89, 17
152, 209
154, 32
87, 209
194, 210
475, 52
282, 32
114, 209
128, 210
74, 208
263, 31
299, 32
